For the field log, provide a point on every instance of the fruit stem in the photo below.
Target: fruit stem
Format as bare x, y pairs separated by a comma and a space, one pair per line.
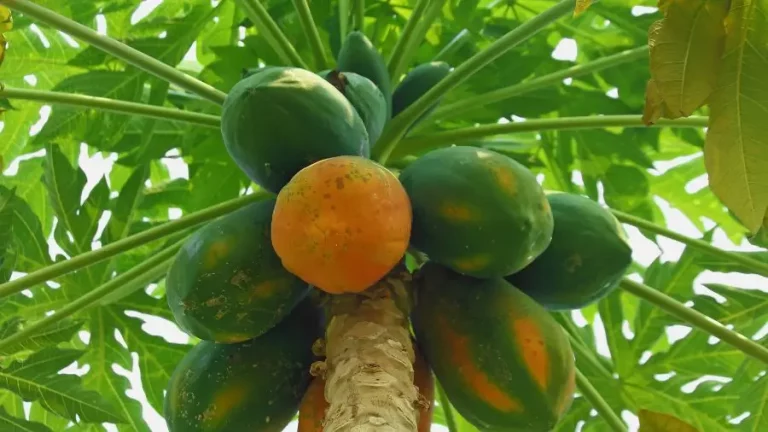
89, 258
750, 263
370, 355
434, 10
359, 12
396, 56
600, 405
313, 36
450, 421
441, 139
138, 277
400, 124
115, 48
264, 23
112, 105
468, 104
696, 319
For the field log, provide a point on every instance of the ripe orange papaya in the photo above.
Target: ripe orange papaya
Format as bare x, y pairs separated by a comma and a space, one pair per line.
341, 224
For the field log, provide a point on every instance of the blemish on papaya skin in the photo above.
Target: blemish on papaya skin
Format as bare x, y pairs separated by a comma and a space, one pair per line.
339, 183
504, 178
223, 403
532, 350
472, 263
573, 263
459, 353
218, 250
264, 289
457, 212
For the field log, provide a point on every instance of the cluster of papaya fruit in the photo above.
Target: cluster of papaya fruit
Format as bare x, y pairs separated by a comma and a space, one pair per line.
500, 253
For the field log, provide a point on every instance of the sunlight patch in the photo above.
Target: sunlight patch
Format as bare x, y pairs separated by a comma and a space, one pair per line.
643, 10
566, 50
45, 113
101, 24
30, 79
44, 40
145, 8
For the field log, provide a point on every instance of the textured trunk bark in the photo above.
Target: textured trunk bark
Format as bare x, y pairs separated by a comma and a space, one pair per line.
369, 360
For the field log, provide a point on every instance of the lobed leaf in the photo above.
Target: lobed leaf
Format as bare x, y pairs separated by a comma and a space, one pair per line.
62, 331
37, 379
736, 149
685, 48
9, 423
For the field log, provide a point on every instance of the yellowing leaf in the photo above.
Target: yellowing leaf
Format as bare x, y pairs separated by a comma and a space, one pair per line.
655, 108
685, 49
736, 148
5, 25
651, 421
581, 7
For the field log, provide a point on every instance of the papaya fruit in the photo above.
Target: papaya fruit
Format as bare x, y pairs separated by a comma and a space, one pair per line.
476, 211
341, 224
586, 259
416, 82
314, 405
367, 99
227, 284
272, 127
256, 385
358, 55
504, 363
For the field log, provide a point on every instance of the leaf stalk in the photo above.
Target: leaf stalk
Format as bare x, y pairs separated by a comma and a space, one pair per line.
440, 139
399, 125
112, 105
139, 276
696, 319
257, 13
313, 36
601, 406
117, 49
89, 258
750, 263
463, 106
396, 56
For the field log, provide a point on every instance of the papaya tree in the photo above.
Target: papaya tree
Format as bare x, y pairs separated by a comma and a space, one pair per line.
403, 215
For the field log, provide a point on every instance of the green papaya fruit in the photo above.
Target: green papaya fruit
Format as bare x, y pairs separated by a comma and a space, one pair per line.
256, 385
417, 82
586, 259
365, 97
282, 119
227, 284
358, 55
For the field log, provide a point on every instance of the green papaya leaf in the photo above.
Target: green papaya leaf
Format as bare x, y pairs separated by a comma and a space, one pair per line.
62, 331
15, 424
37, 379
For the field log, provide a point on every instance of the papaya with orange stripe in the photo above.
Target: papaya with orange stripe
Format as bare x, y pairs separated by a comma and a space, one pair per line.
227, 284
505, 364
255, 386
476, 211
314, 405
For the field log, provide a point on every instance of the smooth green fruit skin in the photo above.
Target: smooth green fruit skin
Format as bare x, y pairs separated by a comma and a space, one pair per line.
282, 119
585, 261
504, 362
476, 211
358, 55
415, 84
367, 99
254, 386
227, 284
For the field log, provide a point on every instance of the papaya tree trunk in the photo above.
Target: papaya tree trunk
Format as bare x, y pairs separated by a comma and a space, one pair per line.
369, 360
